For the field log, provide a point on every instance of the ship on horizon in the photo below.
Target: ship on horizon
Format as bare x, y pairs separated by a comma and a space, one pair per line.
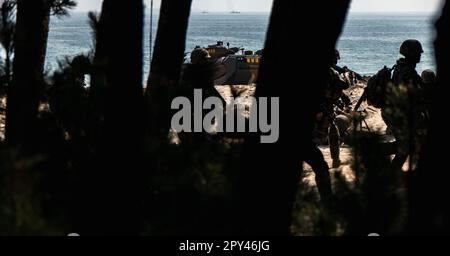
235, 12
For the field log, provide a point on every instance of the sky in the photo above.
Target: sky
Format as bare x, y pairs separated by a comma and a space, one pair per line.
265, 5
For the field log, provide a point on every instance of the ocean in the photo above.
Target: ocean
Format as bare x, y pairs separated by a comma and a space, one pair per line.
369, 41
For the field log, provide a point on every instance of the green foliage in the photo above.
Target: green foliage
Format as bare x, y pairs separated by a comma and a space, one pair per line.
94, 23
7, 24
61, 8
22, 194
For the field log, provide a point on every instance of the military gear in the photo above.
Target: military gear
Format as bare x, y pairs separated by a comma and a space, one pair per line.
403, 111
334, 92
343, 70
334, 98
343, 124
405, 74
411, 47
376, 90
336, 84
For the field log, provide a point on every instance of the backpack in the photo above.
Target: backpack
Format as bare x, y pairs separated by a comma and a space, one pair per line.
376, 89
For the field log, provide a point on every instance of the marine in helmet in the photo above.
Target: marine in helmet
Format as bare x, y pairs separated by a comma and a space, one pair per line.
405, 71
429, 80
428, 83
337, 57
200, 56
428, 77
326, 128
403, 113
335, 102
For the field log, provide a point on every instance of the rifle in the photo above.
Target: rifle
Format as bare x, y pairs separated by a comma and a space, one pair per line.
345, 70
360, 101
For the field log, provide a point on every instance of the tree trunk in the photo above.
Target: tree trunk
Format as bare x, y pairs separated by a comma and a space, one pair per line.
429, 208
28, 66
113, 190
8, 27
271, 172
8, 68
437, 178
166, 63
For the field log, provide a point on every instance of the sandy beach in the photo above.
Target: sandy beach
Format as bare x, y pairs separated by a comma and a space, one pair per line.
372, 117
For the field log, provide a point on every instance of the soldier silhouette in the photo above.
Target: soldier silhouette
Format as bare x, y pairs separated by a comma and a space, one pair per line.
331, 124
402, 113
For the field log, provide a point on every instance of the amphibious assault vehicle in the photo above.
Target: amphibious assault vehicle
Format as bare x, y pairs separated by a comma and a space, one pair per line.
234, 66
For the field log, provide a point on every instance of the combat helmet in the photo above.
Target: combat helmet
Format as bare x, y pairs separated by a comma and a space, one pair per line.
199, 56
428, 76
81, 64
337, 54
411, 48
336, 57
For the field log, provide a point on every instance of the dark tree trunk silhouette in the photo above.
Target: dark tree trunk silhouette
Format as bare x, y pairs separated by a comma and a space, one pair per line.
7, 25
429, 207
8, 67
30, 41
441, 215
28, 66
166, 63
271, 172
112, 186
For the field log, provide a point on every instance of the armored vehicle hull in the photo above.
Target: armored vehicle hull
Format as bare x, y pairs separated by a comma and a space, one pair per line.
233, 66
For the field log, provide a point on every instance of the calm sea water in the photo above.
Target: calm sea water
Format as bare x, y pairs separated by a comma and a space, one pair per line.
369, 41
